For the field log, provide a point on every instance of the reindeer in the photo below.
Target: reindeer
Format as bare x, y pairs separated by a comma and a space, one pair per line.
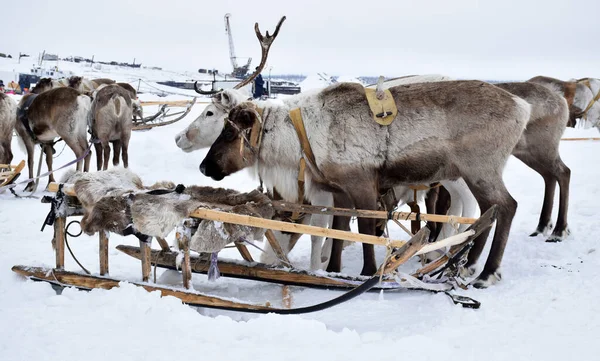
8, 117
59, 112
583, 98
112, 111
442, 131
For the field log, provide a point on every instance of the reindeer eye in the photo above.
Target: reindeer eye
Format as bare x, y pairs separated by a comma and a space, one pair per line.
209, 114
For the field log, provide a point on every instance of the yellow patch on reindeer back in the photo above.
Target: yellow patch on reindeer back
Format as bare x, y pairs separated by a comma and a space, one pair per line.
384, 110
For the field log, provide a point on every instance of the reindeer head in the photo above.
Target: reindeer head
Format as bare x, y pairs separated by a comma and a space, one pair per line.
238, 144
43, 85
203, 131
588, 95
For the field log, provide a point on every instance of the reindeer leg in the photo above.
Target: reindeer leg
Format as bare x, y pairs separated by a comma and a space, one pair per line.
48, 149
98, 148
86, 161
116, 151
343, 224
367, 199
30, 146
563, 173
77, 149
431, 198
106, 154
324, 199
488, 192
125, 148
538, 163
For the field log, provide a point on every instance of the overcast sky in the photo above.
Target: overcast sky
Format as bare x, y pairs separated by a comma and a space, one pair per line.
496, 39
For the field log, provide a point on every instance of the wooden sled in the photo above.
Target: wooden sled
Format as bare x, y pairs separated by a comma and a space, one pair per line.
10, 173
163, 117
65, 202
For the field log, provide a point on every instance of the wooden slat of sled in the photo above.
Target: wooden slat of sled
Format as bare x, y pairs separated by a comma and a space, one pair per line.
256, 271
401, 216
66, 278
594, 139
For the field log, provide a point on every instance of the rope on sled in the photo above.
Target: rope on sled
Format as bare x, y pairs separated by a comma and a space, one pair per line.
69, 247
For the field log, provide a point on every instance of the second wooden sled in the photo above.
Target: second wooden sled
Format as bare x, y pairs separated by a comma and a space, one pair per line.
163, 117
10, 173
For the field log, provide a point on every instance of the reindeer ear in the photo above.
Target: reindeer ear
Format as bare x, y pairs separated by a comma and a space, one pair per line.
244, 118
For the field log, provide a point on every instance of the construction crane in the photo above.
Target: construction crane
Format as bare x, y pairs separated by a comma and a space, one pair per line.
238, 71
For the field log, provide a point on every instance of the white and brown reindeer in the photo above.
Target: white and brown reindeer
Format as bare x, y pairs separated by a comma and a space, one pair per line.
205, 129
110, 122
59, 112
8, 118
442, 131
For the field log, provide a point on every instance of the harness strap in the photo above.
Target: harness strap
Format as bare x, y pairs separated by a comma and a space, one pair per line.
23, 117
296, 116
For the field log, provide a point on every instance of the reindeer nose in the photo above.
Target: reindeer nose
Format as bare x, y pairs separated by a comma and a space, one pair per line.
177, 138
203, 168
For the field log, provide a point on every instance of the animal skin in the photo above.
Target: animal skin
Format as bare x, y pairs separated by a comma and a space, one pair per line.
115, 199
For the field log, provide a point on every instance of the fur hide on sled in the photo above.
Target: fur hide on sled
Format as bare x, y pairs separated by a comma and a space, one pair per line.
116, 199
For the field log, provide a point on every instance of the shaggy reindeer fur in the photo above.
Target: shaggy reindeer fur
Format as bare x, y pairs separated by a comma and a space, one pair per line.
8, 117
443, 131
115, 199
112, 111
59, 112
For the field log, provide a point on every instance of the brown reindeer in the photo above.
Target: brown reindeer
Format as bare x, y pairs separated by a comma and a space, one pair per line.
442, 131
59, 112
8, 117
112, 111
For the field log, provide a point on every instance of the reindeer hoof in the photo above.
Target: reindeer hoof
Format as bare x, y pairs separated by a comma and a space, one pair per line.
484, 281
467, 271
558, 236
30, 187
368, 271
542, 230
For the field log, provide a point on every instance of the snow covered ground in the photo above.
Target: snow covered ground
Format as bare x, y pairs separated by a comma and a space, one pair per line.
545, 308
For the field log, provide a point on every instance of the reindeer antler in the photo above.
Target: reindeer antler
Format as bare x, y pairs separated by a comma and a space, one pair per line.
265, 45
